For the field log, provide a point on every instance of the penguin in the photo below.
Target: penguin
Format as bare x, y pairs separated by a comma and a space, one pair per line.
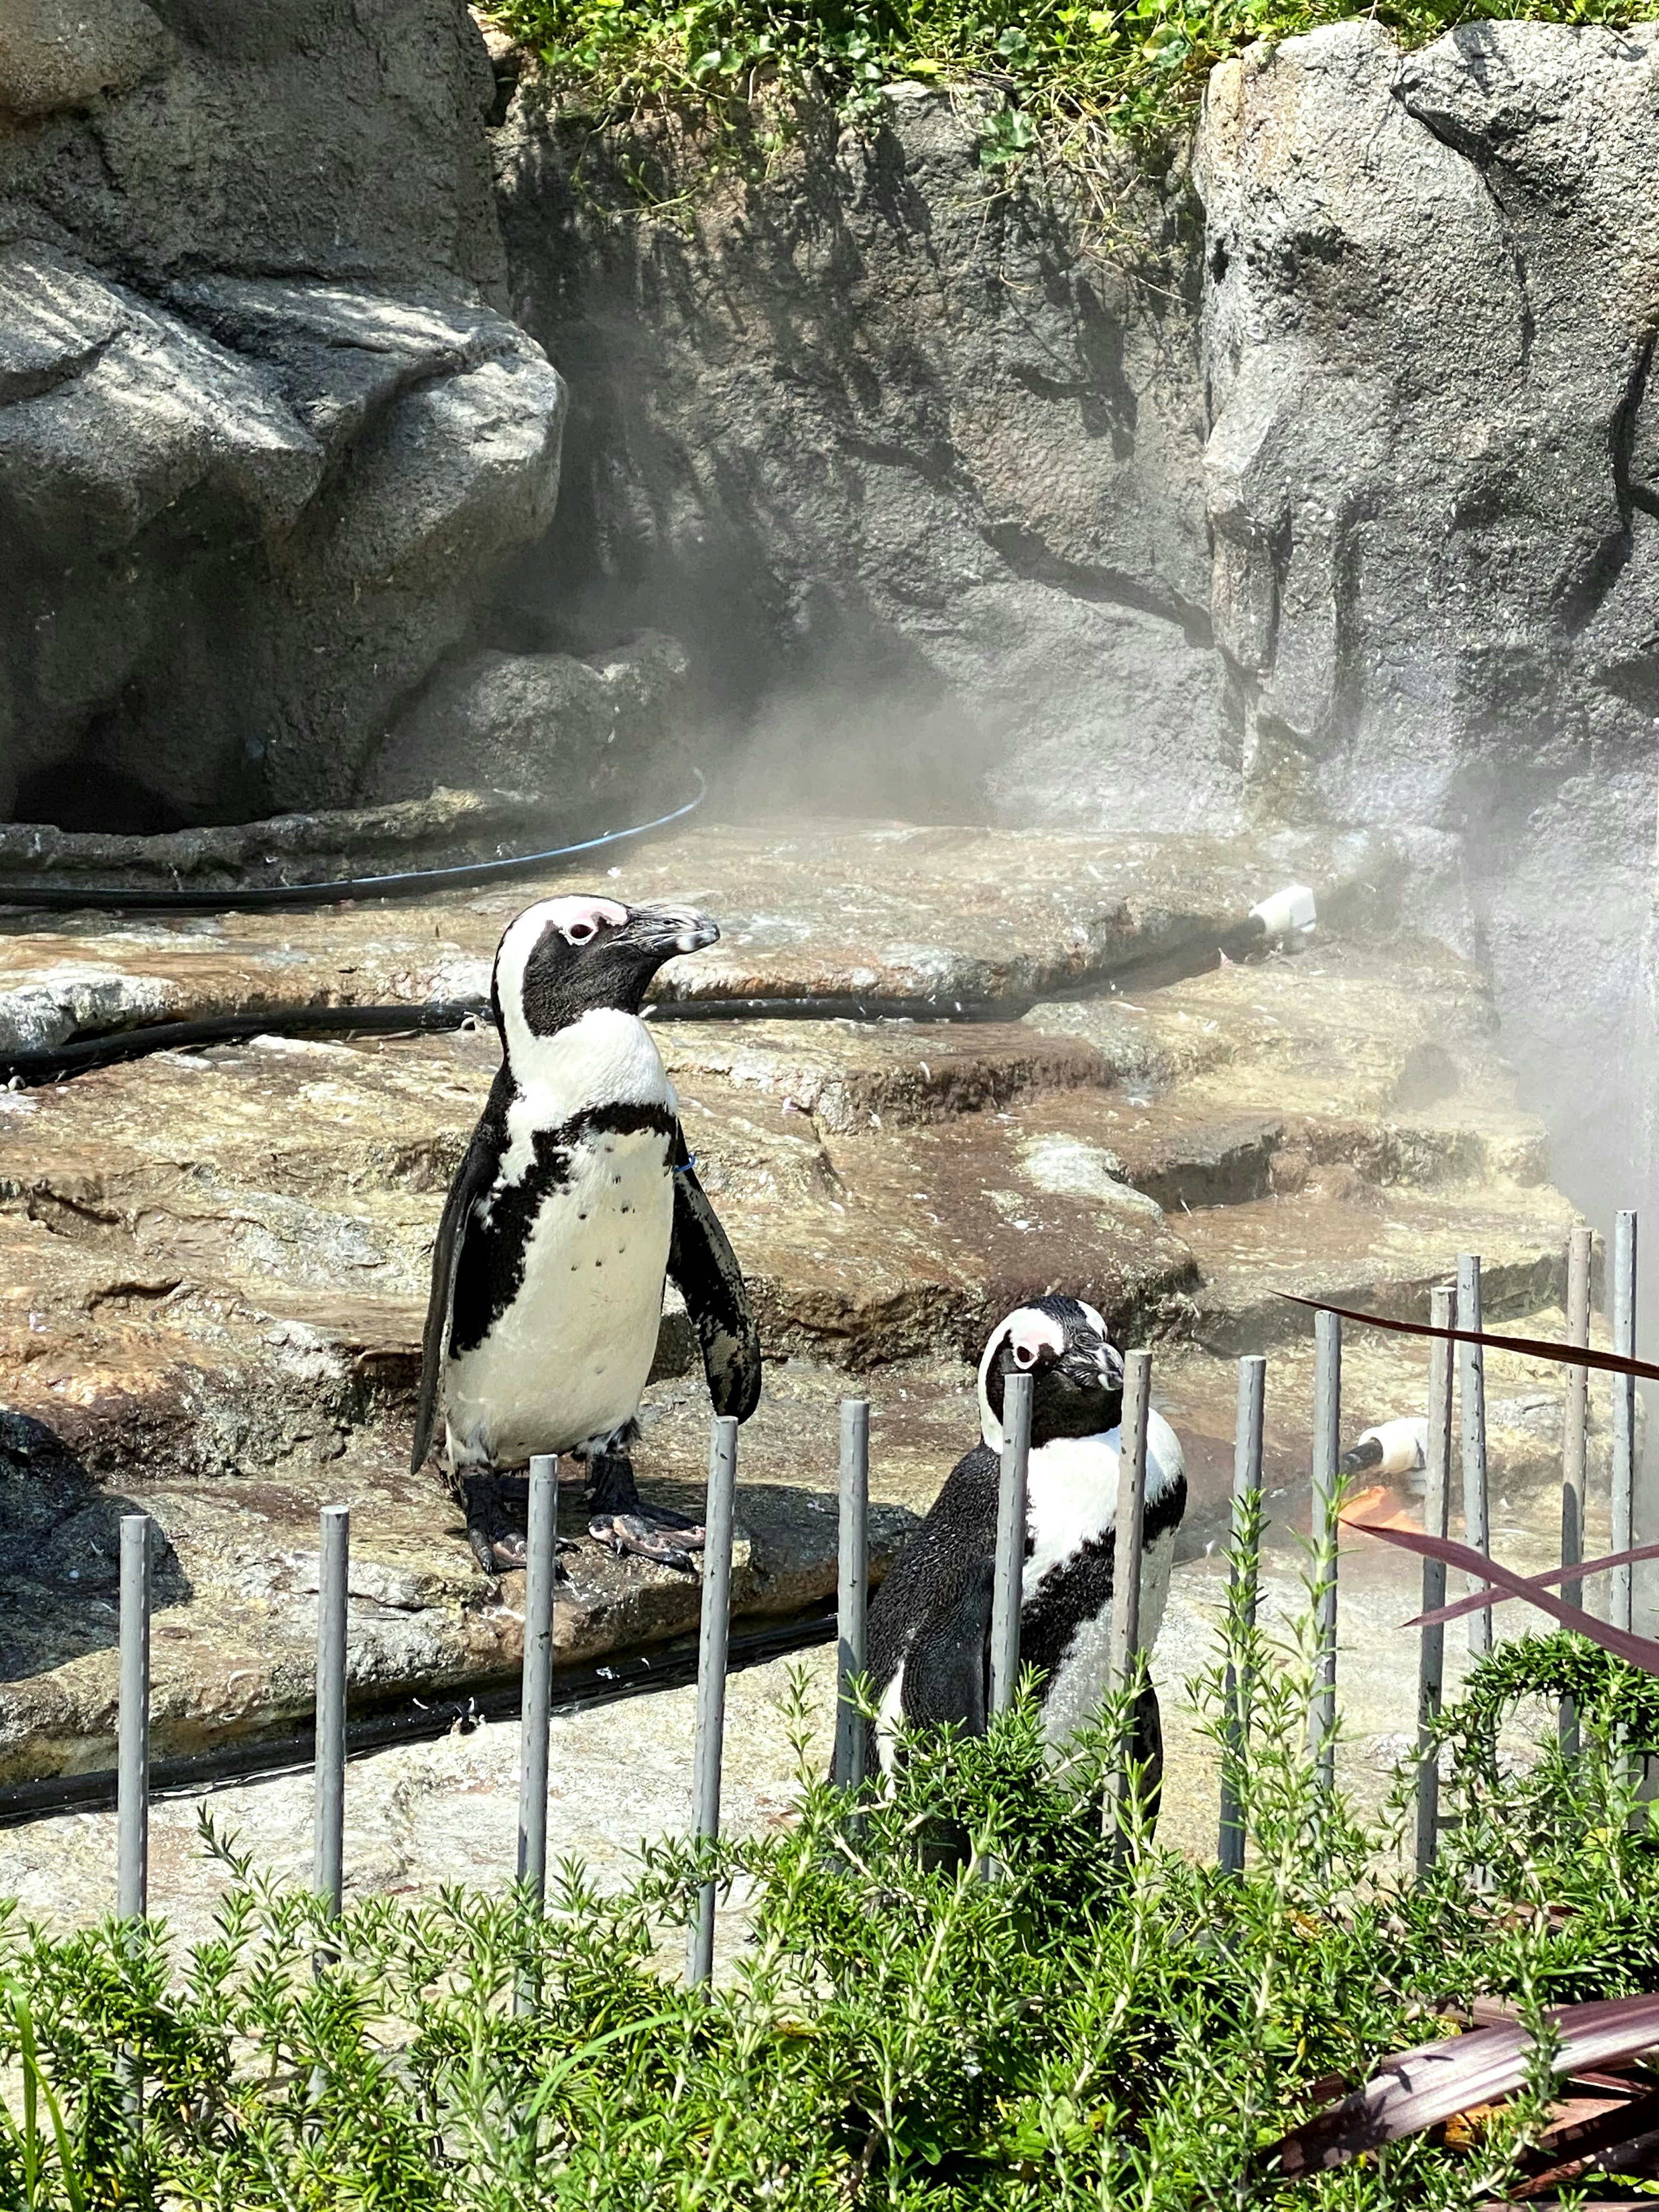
576, 1197
929, 1643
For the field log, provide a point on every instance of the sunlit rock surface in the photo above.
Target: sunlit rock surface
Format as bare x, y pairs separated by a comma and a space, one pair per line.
215, 1261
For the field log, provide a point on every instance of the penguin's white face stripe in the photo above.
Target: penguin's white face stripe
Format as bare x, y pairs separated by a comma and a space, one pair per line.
1030, 1332
578, 920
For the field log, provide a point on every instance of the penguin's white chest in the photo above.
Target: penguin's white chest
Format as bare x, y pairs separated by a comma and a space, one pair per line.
568, 1357
1071, 1513
567, 1354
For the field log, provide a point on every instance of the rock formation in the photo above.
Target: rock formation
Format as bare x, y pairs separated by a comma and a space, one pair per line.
266, 437
1315, 486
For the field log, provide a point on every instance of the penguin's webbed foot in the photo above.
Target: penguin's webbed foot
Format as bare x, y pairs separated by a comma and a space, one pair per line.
612, 1490
627, 1534
497, 1547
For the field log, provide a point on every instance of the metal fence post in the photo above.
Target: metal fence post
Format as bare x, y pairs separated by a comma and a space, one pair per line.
1326, 1444
853, 1595
1431, 1651
1128, 1530
711, 1678
536, 1692
1010, 1541
1624, 1414
1472, 1392
328, 1812
1244, 1578
1575, 1419
132, 1756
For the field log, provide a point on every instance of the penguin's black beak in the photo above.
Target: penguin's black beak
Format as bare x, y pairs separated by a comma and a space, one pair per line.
1092, 1367
668, 931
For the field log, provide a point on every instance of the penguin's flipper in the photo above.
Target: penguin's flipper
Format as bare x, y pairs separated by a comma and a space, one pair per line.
704, 1269
472, 1180
948, 1666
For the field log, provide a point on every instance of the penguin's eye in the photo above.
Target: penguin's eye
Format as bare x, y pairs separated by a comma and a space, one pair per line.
1025, 1355
581, 932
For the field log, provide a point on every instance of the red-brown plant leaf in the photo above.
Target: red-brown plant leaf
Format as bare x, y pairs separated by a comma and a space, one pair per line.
1635, 1650
1531, 1347
1419, 2089
1478, 1601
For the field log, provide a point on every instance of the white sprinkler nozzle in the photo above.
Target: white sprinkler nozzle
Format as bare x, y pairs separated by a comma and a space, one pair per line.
1405, 1444
1290, 913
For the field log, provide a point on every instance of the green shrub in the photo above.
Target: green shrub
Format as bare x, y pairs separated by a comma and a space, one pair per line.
1089, 2027
1054, 73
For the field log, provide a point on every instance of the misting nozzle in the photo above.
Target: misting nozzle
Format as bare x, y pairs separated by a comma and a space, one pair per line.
1392, 1448
1290, 913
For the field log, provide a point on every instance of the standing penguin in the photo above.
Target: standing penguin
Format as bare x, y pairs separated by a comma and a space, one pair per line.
930, 1622
576, 1198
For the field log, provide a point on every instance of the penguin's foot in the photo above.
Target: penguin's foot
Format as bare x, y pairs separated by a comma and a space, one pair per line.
612, 1490
498, 1548
627, 1532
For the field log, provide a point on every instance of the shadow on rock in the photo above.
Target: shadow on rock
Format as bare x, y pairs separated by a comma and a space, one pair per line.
60, 1542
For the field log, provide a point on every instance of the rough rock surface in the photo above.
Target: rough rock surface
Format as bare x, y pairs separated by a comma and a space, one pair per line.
578, 733
265, 438
904, 456
1316, 486
1432, 289
217, 1262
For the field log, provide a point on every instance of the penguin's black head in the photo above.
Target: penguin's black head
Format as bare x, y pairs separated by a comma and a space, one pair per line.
565, 957
1077, 1373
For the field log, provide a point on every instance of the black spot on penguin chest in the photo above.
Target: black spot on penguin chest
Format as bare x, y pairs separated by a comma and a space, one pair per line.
490, 1270
1080, 1588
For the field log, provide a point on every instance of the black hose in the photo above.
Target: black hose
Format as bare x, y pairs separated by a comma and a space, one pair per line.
408, 882
53, 1063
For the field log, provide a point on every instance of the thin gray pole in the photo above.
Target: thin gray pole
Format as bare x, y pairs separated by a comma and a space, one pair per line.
1010, 1541
1431, 1652
1326, 1440
852, 1602
1624, 1414
1574, 1421
1128, 1532
1244, 1576
711, 1678
536, 1692
1472, 1392
328, 1813
133, 1784
536, 1695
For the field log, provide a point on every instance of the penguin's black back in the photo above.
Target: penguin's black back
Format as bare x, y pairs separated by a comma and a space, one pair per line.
939, 1569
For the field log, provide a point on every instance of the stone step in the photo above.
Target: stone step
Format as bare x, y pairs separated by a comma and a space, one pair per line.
235, 1623
893, 910
1383, 1251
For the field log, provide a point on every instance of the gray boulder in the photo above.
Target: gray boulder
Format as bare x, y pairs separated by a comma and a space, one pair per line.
916, 465
579, 734
242, 526
266, 441
1432, 282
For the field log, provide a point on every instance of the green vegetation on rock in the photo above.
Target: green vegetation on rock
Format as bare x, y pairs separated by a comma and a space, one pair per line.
1043, 73
1076, 2030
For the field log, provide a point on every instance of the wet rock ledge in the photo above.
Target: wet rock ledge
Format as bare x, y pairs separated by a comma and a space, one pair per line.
214, 1263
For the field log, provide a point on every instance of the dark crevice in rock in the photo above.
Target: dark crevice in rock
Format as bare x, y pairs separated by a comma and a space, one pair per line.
1456, 140
1028, 556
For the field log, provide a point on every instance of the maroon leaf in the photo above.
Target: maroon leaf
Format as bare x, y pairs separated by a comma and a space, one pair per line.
1533, 1347
1419, 2089
1636, 1650
1478, 1601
